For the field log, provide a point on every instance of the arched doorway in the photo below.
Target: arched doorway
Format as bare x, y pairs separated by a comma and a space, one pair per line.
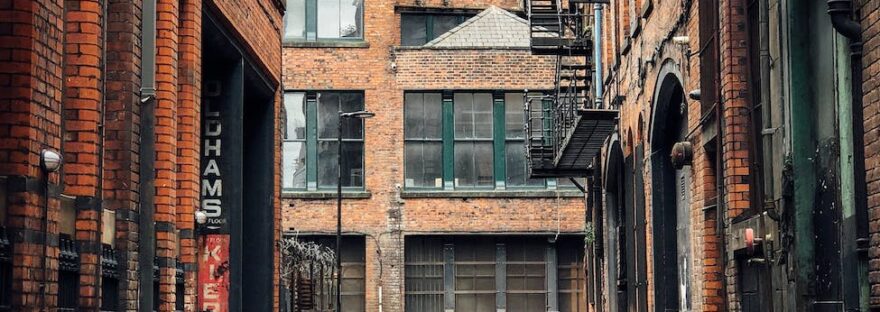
615, 225
670, 195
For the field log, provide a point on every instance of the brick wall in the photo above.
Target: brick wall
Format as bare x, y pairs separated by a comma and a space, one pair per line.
382, 218
870, 15
30, 105
70, 52
633, 75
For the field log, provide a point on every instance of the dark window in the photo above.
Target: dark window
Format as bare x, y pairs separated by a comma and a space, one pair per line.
323, 19
424, 140
310, 160
486, 273
424, 274
475, 275
571, 276
315, 291
68, 274
418, 29
473, 122
473, 130
526, 275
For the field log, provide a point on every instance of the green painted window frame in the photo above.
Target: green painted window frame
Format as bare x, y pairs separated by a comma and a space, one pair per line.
499, 143
312, 140
311, 25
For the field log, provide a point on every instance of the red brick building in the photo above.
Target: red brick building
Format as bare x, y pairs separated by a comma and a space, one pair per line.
133, 95
438, 212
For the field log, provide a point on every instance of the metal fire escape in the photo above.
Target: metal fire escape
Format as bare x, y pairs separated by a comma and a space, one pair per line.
565, 127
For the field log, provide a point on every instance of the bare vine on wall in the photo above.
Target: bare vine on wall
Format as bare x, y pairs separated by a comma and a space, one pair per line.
298, 257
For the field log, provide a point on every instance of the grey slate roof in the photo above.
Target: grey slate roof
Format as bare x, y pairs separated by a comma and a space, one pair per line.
494, 27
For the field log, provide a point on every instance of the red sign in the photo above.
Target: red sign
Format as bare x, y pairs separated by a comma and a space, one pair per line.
214, 274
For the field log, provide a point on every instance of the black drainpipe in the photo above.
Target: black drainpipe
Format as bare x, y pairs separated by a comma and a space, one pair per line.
147, 155
841, 13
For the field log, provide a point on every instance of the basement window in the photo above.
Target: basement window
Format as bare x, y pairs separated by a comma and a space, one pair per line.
310, 20
420, 28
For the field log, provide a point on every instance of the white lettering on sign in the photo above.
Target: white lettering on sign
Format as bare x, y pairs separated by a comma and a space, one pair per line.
212, 182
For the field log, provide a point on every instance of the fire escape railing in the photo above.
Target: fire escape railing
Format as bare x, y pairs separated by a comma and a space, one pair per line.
551, 118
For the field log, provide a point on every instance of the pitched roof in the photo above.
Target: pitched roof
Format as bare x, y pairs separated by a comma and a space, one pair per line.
494, 27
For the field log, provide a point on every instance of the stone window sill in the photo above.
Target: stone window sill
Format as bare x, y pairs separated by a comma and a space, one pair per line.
326, 44
325, 194
492, 194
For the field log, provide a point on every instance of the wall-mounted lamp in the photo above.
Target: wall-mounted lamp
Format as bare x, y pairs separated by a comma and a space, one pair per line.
681, 40
50, 160
695, 94
201, 217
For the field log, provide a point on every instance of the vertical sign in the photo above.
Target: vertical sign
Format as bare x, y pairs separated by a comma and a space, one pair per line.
212, 161
214, 273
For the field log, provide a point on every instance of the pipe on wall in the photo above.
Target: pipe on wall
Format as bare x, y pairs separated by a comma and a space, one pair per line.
597, 51
147, 154
841, 13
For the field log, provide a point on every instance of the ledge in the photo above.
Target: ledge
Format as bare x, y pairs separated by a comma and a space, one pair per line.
325, 44
493, 194
326, 195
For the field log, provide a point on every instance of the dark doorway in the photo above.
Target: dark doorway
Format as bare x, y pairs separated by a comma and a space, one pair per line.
615, 239
238, 110
671, 198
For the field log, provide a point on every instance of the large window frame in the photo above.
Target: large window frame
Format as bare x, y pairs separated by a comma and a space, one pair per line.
490, 273
502, 138
307, 15
310, 132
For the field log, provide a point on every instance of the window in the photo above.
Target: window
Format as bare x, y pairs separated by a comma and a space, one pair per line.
311, 136
473, 140
323, 19
418, 29
493, 273
424, 274
475, 275
571, 276
424, 140
468, 141
526, 276
316, 291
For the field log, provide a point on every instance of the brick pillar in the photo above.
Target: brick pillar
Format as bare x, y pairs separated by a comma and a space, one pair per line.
166, 148
188, 144
30, 105
83, 97
122, 111
734, 96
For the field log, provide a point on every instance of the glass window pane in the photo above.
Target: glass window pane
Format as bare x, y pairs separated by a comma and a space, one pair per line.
294, 106
423, 164
483, 160
352, 164
350, 16
464, 164
464, 115
328, 114
294, 160
413, 29
328, 18
352, 128
482, 115
444, 23
516, 163
414, 119
513, 115
295, 19
433, 116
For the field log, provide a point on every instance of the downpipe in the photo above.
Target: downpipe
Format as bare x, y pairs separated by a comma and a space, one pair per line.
841, 13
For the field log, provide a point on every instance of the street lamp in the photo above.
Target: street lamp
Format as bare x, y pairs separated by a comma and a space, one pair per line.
359, 115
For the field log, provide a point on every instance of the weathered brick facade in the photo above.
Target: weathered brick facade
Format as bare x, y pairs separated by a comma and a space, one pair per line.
870, 15
384, 71
70, 81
